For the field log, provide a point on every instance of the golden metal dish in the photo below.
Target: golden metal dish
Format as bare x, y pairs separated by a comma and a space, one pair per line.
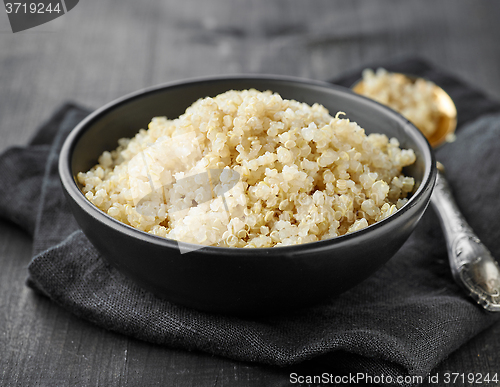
448, 112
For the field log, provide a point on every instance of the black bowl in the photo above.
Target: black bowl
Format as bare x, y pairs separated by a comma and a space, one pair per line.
234, 280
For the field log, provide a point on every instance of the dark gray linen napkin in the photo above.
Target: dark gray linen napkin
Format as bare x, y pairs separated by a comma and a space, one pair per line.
401, 321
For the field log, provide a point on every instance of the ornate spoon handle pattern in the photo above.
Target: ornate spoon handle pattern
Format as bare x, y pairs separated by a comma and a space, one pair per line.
472, 265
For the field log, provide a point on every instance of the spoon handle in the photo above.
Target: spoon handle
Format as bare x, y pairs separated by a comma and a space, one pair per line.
472, 265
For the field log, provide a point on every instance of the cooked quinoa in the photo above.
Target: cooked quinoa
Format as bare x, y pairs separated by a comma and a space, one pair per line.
289, 173
414, 100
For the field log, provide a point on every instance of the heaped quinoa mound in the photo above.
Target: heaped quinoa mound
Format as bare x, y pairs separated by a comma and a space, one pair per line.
250, 169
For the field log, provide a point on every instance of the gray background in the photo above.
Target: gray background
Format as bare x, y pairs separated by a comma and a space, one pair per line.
103, 49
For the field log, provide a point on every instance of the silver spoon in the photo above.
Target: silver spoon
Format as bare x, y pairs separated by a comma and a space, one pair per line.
472, 265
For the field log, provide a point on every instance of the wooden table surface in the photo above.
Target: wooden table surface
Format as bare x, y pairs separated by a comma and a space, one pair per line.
103, 49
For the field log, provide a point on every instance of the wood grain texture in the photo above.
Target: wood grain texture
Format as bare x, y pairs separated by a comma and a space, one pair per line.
104, 49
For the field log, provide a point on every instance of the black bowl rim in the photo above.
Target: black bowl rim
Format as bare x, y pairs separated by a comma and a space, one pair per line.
72, 189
